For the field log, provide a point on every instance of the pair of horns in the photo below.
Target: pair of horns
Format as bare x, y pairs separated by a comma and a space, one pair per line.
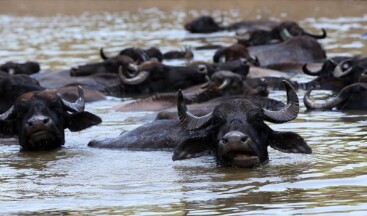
191, 122
76, 107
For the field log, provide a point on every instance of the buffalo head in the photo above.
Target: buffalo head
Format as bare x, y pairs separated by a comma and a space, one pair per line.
20, 68
39, 118
108, 65
203, 24
281, 32
234, 52
237, 134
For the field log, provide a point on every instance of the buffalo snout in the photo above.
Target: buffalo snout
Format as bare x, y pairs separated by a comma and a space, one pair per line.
236, 148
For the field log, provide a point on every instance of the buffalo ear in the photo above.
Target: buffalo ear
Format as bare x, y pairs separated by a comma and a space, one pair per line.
289, 142
191, 148
7, 127
81, 121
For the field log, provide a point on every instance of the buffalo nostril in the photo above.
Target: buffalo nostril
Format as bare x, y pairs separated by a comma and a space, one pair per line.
46, 120
29, 123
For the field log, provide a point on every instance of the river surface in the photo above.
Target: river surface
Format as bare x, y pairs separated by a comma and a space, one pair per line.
77, 180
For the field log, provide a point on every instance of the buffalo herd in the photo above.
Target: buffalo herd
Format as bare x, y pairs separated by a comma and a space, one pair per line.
217, 108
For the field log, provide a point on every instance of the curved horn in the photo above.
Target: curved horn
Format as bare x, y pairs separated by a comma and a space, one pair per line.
101, 53
224, 84
141, 77
327, 105
79, 105
6, 114
311, 73
285, 35
189, 121
339, 72
287, 113
322, 36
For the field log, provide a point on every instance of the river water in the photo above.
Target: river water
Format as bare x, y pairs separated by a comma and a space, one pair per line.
80, 180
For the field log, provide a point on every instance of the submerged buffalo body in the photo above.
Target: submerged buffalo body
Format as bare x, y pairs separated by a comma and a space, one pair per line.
298, 50
207, 24
39, 118
279, 33
234, 132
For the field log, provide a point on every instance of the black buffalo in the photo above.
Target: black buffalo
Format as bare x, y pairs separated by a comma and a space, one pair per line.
279, 33
20, 68
108, 65
39, 118
207, 24
336, 73
234, 132
153, 76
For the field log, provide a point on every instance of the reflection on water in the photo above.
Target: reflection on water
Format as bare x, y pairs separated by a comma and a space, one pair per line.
77, 179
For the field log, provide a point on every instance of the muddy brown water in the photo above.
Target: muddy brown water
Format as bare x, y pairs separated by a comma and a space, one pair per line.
80, 180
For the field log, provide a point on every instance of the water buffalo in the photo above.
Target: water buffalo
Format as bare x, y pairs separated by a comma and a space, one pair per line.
153, 76
108, 65
279, 33
20, 68
234, 132
336, 73
39, 118
351, 97
207, 24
